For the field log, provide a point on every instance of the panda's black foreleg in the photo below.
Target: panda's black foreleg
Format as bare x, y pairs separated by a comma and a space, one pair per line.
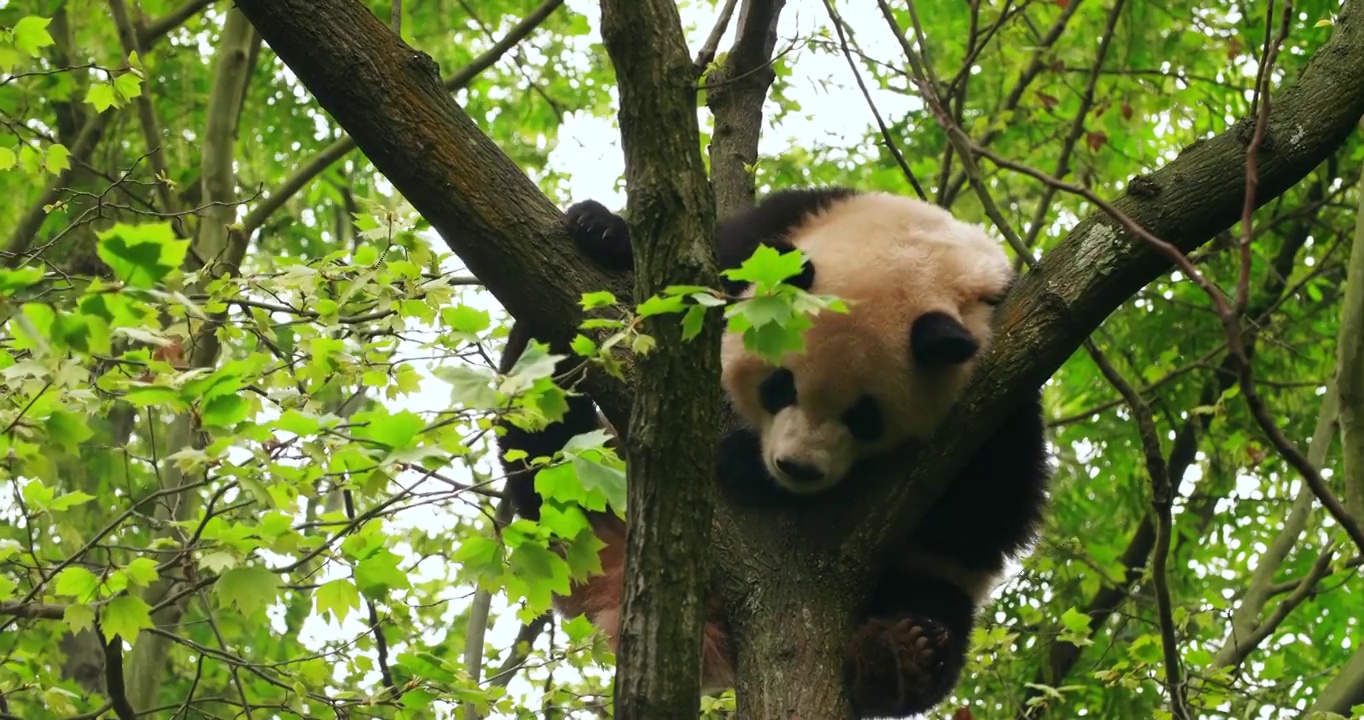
908, 654
602, 234
605, 237
581, 417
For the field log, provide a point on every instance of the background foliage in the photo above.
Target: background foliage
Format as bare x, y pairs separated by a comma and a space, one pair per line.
245, 393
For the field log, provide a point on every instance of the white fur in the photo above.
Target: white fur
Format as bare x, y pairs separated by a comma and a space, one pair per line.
892, 258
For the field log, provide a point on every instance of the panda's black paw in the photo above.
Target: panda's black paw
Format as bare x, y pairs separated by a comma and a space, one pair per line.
602, 234
900, 666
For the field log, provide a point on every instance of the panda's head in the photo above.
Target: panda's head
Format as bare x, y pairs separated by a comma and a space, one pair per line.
920, 287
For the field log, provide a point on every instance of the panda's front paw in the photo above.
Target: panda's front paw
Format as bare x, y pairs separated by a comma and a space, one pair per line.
900, 666
602, 234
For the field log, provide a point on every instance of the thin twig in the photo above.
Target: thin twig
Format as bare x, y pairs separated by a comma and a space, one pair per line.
958, 138
1260, 107
380, 642
889, 141
1077, 127
1162, 500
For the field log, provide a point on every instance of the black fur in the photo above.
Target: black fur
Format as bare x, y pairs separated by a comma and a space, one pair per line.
911, 644
938, 339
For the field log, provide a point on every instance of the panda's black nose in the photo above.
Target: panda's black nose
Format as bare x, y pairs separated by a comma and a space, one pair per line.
801, 472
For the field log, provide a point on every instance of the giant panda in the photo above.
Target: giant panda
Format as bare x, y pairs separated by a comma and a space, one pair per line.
921, 288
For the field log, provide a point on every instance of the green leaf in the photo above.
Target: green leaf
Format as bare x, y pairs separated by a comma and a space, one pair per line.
469, 386
465, 319
141, 255
768, 267
68, 430
31, 35
248, 588
78, 617
379, 572
8, 159
142, 571
36, 494
69, 500
398, 431
101, 95
225, 411
125, 616
297, 423
218, 561
658, 305
692, 322
7, 587
58, 159
608, 480
338, 597
128, 86
583, 345
29, 159
594, 300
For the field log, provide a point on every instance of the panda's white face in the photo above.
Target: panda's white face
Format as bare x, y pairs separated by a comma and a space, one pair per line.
921, 287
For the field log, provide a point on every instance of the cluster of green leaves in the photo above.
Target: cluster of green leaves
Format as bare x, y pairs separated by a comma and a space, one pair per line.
771, 320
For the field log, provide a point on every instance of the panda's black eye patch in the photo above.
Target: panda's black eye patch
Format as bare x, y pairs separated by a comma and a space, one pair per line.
864, 419
777, 391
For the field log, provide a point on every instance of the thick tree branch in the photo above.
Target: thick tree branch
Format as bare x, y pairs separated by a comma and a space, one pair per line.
677, 399
1350, 370
340, 148
735, 96
1345, 690
389, 97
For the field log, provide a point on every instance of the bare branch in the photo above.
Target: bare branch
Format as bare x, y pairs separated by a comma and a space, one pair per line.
113, 680
947, 192
735, 95
1260, 101
891, 145
956, 136
477, 626
706, 54
1077, 126
1162, 500
159, 27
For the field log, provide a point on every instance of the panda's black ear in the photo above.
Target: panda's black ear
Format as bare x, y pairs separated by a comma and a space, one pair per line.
806, 279
937, 339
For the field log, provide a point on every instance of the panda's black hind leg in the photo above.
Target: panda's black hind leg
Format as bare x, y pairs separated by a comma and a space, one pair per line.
602, 234
896, 667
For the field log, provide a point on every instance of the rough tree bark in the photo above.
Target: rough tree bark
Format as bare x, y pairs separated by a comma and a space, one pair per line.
387, 96
677, 395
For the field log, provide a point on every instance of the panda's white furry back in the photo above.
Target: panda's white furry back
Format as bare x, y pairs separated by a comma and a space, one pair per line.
921, 287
